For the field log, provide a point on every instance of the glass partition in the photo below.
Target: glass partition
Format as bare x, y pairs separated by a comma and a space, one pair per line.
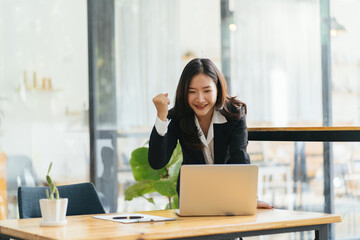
275, 67
44, 93
345, 36
276, 61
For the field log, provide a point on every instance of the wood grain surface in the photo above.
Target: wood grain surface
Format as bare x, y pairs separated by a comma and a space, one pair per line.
87, 227
274, 129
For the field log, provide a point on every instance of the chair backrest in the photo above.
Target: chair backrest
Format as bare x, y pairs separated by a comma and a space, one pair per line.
82, 199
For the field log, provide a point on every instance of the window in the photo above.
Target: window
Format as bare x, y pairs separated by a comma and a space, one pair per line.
44, 93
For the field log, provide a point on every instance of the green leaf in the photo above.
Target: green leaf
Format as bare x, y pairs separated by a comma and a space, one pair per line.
52, 188
57, 193
139, 189
176, 201
141, 168
166, 187
49, 168
49, 180
150, 200
174, 169
176, 156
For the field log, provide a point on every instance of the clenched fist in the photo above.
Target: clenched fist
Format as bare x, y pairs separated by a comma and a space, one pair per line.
161, 102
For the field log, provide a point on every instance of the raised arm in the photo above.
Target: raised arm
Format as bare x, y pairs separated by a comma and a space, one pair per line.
163, 137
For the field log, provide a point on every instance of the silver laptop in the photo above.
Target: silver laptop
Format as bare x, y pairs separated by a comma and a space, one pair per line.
218, 189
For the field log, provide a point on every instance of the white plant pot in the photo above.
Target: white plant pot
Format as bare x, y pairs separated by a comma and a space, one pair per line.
53, 212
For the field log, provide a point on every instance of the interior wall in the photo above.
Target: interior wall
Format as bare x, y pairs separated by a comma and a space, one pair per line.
48, 38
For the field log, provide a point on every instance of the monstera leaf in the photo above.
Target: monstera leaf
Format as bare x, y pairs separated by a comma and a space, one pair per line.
141, 168
163, 181
139, 189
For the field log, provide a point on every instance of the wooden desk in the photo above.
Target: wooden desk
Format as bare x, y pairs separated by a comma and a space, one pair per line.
86, 227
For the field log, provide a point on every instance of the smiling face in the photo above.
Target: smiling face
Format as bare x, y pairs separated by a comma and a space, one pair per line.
202, 95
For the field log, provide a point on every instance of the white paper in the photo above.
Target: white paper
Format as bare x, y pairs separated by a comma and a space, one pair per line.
145, 218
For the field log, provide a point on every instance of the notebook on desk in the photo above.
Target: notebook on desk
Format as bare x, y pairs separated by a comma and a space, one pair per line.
218, 190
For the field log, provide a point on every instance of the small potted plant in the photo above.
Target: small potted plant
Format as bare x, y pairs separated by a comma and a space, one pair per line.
53, 209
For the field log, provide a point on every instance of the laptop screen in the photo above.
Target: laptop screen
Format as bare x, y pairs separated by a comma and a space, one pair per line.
218, 189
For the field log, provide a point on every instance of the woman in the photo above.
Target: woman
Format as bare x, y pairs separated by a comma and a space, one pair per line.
209, 124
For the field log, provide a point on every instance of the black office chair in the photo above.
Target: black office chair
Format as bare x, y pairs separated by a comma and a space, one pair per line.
82, 199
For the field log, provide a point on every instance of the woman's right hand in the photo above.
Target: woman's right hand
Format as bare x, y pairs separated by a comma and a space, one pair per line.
161, 102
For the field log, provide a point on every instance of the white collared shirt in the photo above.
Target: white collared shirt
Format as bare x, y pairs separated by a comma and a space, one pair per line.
208, 143
208, 149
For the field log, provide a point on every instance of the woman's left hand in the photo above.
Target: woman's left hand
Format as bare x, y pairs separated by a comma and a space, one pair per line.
261, 204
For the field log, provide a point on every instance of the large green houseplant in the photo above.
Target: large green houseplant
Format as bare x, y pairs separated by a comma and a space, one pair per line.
163, 181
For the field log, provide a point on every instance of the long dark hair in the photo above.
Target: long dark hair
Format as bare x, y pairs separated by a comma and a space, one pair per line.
230, 107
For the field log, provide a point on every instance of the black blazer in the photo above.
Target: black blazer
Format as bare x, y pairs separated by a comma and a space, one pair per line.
230, 143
